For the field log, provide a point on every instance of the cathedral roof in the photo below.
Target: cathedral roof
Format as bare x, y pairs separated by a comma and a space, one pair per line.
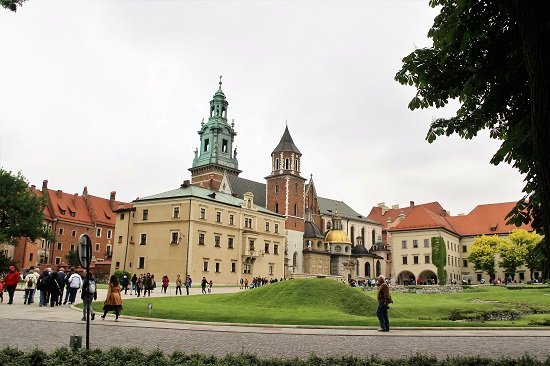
326, 205
312, 231
337, 236
359, 249
240, 186
286, 143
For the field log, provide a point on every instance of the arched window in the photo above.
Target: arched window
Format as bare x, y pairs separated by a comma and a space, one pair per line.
277, 163
295, 209
295, 261
276, 207
296, 188
353, 235
328, 225
296, 165
276, 188
367, 270
287, 164
373, 237
378, 269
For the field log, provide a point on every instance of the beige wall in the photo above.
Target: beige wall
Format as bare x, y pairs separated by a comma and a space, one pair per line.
162, 257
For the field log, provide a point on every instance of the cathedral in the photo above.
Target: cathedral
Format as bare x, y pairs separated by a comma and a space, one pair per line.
323, 237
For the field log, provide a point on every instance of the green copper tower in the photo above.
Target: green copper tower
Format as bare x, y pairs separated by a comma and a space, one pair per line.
217, 153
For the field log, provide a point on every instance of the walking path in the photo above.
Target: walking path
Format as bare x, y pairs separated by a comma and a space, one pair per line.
28, 326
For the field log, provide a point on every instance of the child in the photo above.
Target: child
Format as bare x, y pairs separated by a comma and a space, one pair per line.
210, 286
2, 285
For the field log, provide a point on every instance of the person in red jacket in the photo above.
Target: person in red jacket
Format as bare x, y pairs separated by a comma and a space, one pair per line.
12, 280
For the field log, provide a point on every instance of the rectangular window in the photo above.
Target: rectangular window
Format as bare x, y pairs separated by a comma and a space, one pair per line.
72, 247
174, 237
201, 239
275, 248
120, 238
415, 243
176, 213
31, 255
246, 268
216, 241
251, 244
108, 251
59, 246
109, 234
98, 232
267, 226
117, 264
224, 146
230, 243
521, 276
122, 216
97, 247
426, 243
479, 277
203, 213
143, 239
448, 260
61, 231
231, 220
141, 262
404, 260
403, 244
415, 259
271, 269
276, 228
218, 216
73, 233
464, 263
145, 215
266, 248
427, 259
217, 267
233, 267
57, 260
205, 266
464, 249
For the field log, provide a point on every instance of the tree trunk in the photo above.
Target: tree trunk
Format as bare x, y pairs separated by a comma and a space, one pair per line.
534, 24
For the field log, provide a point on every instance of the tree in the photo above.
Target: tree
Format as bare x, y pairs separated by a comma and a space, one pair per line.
72, 259
11, 4
493, 57
482, 254
532, 242
21, 210
5, 263
439, 258
511, 256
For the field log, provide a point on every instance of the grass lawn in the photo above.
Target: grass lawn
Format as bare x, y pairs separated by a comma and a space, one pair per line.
328, 302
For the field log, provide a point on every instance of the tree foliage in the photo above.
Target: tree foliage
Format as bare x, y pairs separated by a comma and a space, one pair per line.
532, 242
21, 210
12, 4
492, 56
512, 256
439, 257
482, 253
72, 258
5, 263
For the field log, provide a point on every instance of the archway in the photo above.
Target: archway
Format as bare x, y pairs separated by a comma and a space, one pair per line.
367, 270
295, 262
428, 277
406, 278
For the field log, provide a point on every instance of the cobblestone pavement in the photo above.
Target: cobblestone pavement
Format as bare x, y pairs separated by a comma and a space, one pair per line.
26, 327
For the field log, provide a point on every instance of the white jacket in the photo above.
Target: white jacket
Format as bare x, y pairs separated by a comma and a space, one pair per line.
75, 281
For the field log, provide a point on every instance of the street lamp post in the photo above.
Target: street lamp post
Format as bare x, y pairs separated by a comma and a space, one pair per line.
85, 255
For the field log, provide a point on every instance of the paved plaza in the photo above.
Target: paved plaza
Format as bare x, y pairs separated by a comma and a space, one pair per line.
29, 326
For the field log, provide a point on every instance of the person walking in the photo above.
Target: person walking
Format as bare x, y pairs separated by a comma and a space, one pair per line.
147, 284
165, 283
133, 281
12, 280
75, 281
113, 301
139, 285
204, 282
179, 283
210, 284
89, 294
188, 283
54, 289
384, 300
42, 286
124, 283
30, 286
62, 277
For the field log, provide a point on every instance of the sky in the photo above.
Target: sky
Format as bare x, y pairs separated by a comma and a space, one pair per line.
110, 95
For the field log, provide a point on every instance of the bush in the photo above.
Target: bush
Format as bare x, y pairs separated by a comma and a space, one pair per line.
121, 273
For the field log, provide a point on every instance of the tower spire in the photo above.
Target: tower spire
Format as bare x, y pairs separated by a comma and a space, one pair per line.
221, 76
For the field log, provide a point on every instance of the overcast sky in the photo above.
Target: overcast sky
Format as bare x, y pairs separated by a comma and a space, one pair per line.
110, 95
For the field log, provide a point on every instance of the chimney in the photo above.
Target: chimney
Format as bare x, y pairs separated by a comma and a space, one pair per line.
59, 194
443, 213
85, 192
112, 200
33, 187
75, 196
411, 204
45, 186
395, 207
186, 183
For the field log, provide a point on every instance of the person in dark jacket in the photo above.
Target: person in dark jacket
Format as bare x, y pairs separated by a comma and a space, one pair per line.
88, 296
42, 286
54, 288
124, 284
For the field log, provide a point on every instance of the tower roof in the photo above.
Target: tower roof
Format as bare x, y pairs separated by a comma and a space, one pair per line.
286, 143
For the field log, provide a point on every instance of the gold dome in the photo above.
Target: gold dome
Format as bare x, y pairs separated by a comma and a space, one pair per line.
337, 236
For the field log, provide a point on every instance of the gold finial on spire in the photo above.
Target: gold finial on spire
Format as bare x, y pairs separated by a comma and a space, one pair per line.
221, 76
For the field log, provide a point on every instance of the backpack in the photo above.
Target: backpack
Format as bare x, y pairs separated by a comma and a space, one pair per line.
91, 287
29, 281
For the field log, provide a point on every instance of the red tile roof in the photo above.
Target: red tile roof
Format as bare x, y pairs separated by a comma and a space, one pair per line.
379, 215
422, 218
